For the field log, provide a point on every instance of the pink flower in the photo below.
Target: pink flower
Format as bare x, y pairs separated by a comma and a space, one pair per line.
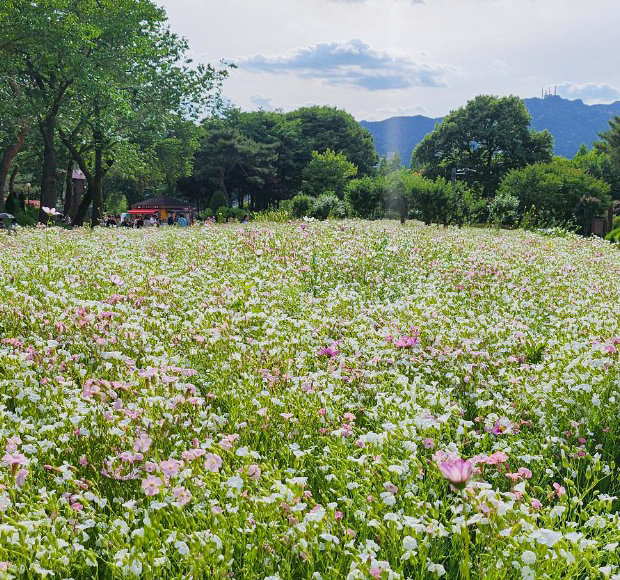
12, 444
182, 495
558, 490
213, 462
457, 473
151, 485
15, 459
375, 572
20, 480
428, 443
170, 468
254, 472
349, 416
536, 504
497, 457
142, 443
407, 341
83, 461
524, 472
216, 509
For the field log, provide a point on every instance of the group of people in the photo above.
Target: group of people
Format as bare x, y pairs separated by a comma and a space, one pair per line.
143, 221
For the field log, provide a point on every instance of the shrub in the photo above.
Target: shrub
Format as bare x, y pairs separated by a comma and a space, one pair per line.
218, 200
325, 204
559, 192
614, 236
503, 208
366, 197
222, 214
301, 205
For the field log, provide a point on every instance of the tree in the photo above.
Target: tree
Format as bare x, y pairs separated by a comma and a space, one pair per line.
598, 163
323, 128
559, 193
610, 140
92, 69
229, 161
327, 171
490, 136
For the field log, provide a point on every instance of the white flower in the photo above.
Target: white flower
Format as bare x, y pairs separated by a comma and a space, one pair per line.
527, 573
528, 557
547, 537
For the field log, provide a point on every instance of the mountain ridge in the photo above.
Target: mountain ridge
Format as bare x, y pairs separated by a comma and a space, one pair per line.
571, 122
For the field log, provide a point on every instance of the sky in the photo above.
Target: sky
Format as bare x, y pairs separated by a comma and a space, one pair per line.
384, 58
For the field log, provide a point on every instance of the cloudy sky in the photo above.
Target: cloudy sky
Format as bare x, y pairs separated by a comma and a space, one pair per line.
382, 58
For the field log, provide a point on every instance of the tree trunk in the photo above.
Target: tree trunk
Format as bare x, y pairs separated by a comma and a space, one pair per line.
12, 179
97, 186
81, 212
69, 199
5, 162
48, 177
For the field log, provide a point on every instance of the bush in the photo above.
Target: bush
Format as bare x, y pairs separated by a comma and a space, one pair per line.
366, 197
27, 217
301, 205
559, 192
222, 214
218, 200
614, 236
324, 205
503, 208
329, 171
206, 214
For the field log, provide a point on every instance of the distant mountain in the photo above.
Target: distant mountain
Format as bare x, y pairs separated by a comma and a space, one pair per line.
570, 122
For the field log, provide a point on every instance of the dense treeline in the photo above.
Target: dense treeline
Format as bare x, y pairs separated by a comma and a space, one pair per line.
105, 87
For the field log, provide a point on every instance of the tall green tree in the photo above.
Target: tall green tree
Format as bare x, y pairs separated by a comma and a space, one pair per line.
490, 136
93, 66
324, 128
329, 171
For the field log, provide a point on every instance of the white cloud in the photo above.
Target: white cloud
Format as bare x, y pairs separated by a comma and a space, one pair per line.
589, 92
351, 63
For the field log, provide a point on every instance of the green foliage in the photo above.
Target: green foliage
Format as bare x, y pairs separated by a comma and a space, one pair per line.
489, 136
503, 208
323, 128
559, 192
206, 213
301, 205
366, 196
387, 166
217, 201
116, 203
610, 140
329, 171
273, 215
328, 205
598, 163
401, 188
614, 235
28, 216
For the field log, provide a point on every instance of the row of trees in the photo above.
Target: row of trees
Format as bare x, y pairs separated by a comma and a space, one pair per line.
99, 85
264, 157
506, 173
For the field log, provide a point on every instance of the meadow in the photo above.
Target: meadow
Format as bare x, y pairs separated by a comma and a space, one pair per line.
309, 400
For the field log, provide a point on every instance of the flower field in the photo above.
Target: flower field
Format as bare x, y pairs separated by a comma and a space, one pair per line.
310, 400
